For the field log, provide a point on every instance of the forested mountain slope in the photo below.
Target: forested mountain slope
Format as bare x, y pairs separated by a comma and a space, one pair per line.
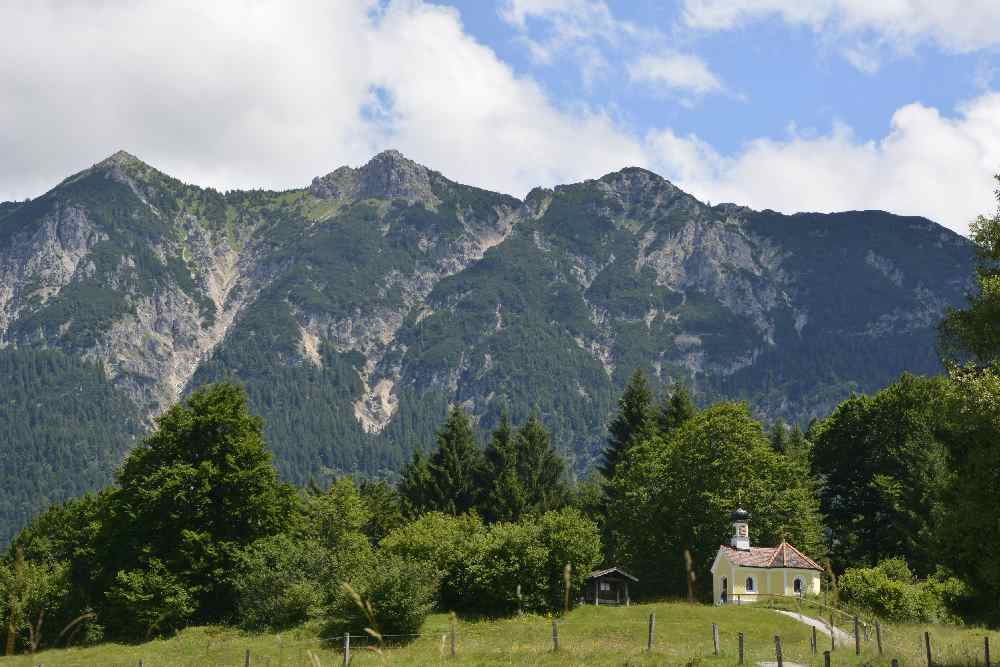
356, 309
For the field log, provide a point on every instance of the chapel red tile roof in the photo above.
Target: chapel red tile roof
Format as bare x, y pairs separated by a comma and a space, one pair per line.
783, 555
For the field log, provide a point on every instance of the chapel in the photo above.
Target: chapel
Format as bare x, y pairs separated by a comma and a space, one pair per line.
742, 573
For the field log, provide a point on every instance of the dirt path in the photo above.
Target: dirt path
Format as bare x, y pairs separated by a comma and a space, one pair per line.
841, 636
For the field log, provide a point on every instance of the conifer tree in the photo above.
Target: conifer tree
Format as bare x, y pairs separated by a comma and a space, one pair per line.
415, 485
447, 481
779, 436
539, 467
675, 410
503, 494
634, 413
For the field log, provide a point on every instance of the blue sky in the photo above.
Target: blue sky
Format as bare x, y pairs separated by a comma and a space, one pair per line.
774, 73
786, 104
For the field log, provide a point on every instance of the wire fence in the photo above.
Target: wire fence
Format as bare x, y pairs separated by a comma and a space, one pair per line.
533, 640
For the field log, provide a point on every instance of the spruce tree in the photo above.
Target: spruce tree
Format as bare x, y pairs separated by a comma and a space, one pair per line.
675, 410
779, 436
448, 480
634, 413
503, 496
539, 467
414, 486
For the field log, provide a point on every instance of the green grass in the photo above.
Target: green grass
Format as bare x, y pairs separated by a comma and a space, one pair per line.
592, 636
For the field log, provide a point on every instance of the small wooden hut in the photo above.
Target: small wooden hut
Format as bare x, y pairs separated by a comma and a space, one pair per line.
608, 586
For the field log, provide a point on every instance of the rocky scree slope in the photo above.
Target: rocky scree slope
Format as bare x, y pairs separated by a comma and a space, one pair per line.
357, 309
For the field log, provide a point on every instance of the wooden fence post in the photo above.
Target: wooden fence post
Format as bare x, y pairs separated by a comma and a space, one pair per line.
813, 642
652, 626
246, 659
740, 638
833, 634
715, 638
555, 635
927, 642
878, 636
347, 649
777, 651
826, 659
986, 649
453, 636
519, 611
857, 637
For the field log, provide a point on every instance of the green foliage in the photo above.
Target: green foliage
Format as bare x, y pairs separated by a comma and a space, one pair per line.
531, 556
29, 591
147, 602
521, 472
506, 556
444, 542
448, 480
193, 494
280, 582
63, 429
675, 494
973, 331
676, 409
333, 516
882, 468
635, 411
394, 598
889, 591
570, 538
969, 528
385, 509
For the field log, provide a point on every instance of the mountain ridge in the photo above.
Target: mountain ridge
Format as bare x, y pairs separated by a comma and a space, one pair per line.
357, 307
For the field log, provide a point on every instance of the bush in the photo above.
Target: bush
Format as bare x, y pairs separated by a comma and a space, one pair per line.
444, 542
278, 582
147, 602
508, 555
531, 554
393, 598
889, 590
570, 537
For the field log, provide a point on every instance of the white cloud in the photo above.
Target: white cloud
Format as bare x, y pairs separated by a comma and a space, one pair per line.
569, 20
927, 164
581, 30
252, 95
959, 27
675, 71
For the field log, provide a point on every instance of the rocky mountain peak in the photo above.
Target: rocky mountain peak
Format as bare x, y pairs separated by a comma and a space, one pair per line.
635, 182
120, 159
127, 169
388, 175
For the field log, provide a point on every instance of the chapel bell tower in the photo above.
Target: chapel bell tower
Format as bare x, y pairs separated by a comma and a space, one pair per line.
741, 530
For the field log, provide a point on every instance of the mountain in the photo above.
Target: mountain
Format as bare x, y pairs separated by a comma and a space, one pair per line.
355, 310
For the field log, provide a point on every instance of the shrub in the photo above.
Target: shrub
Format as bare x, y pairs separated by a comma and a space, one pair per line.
444, 542
570, 537
508, 555
889, 590
278, 582
147, 602
393, 598
531, 554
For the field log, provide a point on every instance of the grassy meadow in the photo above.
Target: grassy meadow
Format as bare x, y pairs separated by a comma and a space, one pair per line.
588, 635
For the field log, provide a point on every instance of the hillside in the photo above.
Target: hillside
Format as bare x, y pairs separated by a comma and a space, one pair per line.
357, 308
